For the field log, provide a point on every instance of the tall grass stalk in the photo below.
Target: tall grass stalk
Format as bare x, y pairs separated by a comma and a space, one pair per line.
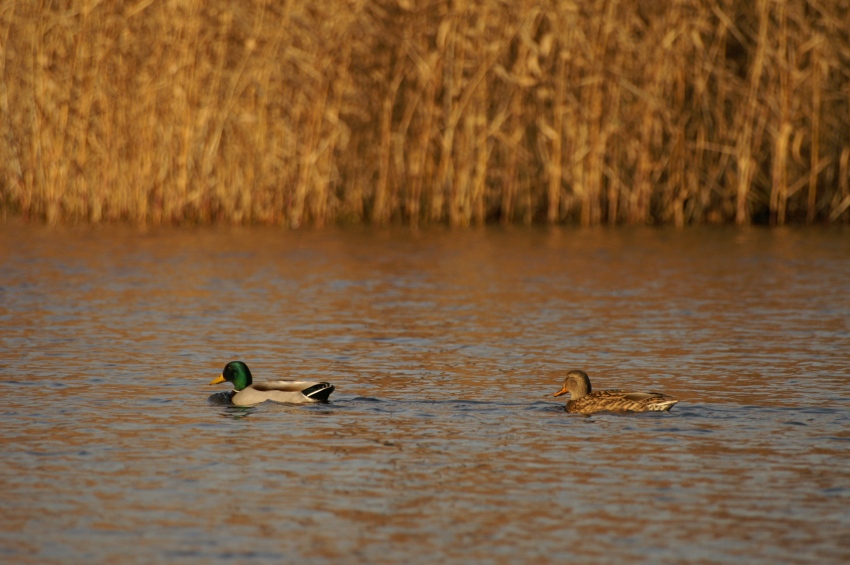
402, 111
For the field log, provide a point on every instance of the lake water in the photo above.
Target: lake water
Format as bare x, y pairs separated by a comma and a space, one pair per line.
442, 442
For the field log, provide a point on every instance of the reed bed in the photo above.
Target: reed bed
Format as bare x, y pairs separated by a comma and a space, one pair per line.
397, 111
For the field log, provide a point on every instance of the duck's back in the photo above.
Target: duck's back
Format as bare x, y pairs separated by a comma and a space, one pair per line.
620, 401
290, 392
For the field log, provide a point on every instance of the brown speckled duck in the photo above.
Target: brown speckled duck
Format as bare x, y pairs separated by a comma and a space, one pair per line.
583, 401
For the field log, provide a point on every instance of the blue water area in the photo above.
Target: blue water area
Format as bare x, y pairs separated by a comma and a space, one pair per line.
442, 441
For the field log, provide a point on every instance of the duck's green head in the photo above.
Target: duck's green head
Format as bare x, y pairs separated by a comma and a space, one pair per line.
237, 373
577, 384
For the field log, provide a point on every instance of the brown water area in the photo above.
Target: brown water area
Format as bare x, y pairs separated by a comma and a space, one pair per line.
442, 442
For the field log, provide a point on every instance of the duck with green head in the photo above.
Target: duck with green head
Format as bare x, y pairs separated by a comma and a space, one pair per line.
583, 400
247, 393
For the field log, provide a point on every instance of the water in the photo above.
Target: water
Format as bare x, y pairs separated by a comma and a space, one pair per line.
442, 442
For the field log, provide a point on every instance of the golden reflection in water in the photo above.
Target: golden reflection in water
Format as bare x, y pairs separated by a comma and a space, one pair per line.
442, 442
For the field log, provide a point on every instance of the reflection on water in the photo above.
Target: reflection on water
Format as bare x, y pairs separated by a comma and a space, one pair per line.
442, 442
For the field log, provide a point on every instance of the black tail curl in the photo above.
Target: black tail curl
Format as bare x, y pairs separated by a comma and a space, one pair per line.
319, 391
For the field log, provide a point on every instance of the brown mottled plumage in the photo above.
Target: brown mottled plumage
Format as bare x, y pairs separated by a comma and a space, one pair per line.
583, 401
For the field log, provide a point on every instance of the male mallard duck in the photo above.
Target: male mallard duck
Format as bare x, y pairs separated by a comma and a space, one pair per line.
245, 393
583, 401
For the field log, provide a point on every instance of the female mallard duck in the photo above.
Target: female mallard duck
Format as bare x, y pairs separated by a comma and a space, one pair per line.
583, 401
246, 393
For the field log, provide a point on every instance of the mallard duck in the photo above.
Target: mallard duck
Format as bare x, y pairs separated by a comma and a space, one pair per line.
246, 393
583, 401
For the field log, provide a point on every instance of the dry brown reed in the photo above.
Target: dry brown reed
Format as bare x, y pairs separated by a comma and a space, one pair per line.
456, 111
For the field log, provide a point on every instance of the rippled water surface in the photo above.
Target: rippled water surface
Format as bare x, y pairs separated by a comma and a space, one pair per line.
442, 442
